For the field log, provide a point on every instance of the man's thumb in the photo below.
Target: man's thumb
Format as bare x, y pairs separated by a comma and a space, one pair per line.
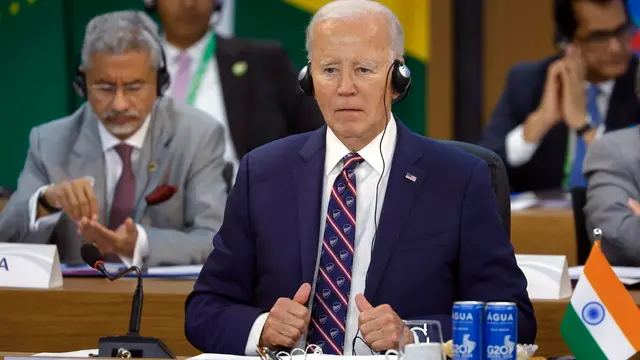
130, 225
362, 303
302, 295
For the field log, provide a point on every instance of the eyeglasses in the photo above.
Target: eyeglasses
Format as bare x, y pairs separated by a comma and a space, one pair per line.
354, 342
107, 92
602, 38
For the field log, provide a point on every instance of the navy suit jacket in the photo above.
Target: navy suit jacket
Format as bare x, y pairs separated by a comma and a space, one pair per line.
440, 240
522, 96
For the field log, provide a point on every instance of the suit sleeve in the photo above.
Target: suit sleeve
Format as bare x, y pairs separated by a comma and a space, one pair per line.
219, 315
302, 111
488, 267
15, 218
204, 201
610, 185
505, 118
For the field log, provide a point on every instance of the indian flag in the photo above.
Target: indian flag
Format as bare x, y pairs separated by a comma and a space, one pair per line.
603, 320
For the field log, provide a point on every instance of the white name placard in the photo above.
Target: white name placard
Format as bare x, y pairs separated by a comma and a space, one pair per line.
547, 276
29, 266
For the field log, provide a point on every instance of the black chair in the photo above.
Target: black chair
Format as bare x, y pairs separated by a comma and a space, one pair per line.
227, 175
499, 178
583, 243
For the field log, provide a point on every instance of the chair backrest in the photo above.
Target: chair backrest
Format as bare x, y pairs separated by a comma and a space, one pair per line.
499, 178
227, 175
583, 243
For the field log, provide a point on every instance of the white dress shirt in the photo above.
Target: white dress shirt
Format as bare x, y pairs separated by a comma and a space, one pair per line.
519, 152
209, 97
367, 175
113, 170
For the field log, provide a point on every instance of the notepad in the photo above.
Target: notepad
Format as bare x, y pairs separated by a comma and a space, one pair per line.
190, 272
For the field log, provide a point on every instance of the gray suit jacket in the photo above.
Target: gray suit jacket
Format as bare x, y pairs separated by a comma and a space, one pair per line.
185, 144
612, 168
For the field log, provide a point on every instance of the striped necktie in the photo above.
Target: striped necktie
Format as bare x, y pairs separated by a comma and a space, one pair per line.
331, 298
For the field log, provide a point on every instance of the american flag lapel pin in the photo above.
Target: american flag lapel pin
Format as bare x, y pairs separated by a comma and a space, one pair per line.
411, 177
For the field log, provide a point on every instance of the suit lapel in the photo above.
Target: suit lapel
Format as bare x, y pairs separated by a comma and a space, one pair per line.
87, 158
155, 156
308, 179
399, 199
235, 90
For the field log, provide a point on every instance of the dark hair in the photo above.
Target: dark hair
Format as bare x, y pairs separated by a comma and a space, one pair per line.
565, 18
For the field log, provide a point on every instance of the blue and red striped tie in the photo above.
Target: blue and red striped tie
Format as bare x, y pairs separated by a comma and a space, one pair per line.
329, 314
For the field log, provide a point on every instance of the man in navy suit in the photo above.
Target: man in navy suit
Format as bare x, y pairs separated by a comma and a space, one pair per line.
332, 237
551, 110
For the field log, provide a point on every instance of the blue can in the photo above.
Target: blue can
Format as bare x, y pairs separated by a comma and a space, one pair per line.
467, 330
501, 331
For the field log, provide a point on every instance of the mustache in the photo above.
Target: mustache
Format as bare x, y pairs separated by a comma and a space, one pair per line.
110, 114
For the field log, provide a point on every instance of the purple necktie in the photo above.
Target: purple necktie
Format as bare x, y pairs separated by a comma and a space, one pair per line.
124, 194
182, 76
329, 314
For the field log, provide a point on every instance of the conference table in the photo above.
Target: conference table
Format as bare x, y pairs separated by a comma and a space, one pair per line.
75, 315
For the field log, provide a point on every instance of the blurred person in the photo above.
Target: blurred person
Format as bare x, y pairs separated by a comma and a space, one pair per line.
553, 109
295, 263
613, 193
137, 175
249, 85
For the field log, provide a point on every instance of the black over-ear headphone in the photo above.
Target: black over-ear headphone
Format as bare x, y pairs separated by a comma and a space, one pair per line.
150, 5
400, 80
163, 79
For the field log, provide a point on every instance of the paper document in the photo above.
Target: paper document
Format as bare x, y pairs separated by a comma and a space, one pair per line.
627, 275
544, 199
74, 354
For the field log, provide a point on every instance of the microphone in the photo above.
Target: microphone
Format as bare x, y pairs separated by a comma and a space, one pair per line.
132, 344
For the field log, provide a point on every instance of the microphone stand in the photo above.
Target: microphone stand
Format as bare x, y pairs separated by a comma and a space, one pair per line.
133, 345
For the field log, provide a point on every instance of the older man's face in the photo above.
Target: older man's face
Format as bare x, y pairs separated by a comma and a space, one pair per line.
122, 90
350, 60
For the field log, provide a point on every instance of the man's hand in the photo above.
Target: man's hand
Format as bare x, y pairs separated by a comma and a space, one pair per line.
573, 92
381, 327
634, 206
549, 111
75, 197
287, 320
122, 241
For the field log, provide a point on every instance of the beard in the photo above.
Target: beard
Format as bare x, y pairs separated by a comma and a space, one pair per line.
122, 129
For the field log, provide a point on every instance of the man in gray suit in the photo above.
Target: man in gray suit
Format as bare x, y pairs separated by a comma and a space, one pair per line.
137, 175
612, 169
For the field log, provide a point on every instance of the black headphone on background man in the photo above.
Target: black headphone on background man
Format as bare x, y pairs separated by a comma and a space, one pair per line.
400, 80
150, 5
163, 79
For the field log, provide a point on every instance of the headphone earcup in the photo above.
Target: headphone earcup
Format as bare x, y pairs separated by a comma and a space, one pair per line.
80, 84
164, 81
305, 82
400, 80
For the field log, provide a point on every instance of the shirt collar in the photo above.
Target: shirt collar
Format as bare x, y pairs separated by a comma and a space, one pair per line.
336, 150
136, 140
195, 51
606, 87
